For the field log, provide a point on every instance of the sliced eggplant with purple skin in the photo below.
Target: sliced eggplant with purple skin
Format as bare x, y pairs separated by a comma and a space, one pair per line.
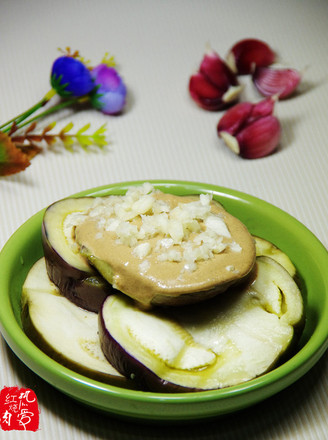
266, 248
66, 267
64, 331
222, 342
164, 249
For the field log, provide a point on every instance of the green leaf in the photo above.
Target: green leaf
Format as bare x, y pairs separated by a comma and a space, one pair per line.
83, 129
68, 141
84, 141
101, 130
60, 88
67, 128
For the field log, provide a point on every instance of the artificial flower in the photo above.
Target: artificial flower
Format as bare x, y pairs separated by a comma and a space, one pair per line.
110, 92
12, 159
74, 83
70, 77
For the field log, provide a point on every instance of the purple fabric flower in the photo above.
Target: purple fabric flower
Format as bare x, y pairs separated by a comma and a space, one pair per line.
70, 77
110, 92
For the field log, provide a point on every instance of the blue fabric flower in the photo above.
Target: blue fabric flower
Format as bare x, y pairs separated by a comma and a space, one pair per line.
110, 92
70, 77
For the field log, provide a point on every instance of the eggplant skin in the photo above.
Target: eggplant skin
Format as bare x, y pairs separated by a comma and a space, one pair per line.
131, 368
35, 336
63, 331
85, 289
272, 303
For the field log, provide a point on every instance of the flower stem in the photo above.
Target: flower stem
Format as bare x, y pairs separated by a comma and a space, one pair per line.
57, 107
17, 119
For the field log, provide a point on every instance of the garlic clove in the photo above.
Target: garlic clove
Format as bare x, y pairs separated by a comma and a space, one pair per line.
207, 96
246, 54
202, 89
262, 108
234, 118
230, 141
258, 139
232, 94
214, 86
281, 82
243, 114
217, 71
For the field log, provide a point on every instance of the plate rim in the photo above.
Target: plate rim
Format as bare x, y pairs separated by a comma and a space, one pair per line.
204, 396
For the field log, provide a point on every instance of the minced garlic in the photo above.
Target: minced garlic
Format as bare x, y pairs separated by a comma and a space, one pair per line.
188, 233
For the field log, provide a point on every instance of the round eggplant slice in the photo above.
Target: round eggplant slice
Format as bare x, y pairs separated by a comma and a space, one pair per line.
266, 248
225, 341
64, 331
66, 267
164, 249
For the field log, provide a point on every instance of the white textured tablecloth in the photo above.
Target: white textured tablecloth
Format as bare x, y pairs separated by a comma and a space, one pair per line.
164, 135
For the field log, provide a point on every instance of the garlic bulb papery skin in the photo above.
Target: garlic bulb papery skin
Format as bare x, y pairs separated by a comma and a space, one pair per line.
279, 81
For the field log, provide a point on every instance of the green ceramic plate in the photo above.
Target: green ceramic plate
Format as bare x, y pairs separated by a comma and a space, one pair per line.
262, 219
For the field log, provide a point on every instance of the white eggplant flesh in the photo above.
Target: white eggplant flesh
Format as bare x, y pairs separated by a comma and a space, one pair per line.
66, 332
66, 267
225, 341
58, 229
266, 248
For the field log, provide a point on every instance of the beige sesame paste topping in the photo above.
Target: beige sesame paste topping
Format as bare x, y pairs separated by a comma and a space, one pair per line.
161, 248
